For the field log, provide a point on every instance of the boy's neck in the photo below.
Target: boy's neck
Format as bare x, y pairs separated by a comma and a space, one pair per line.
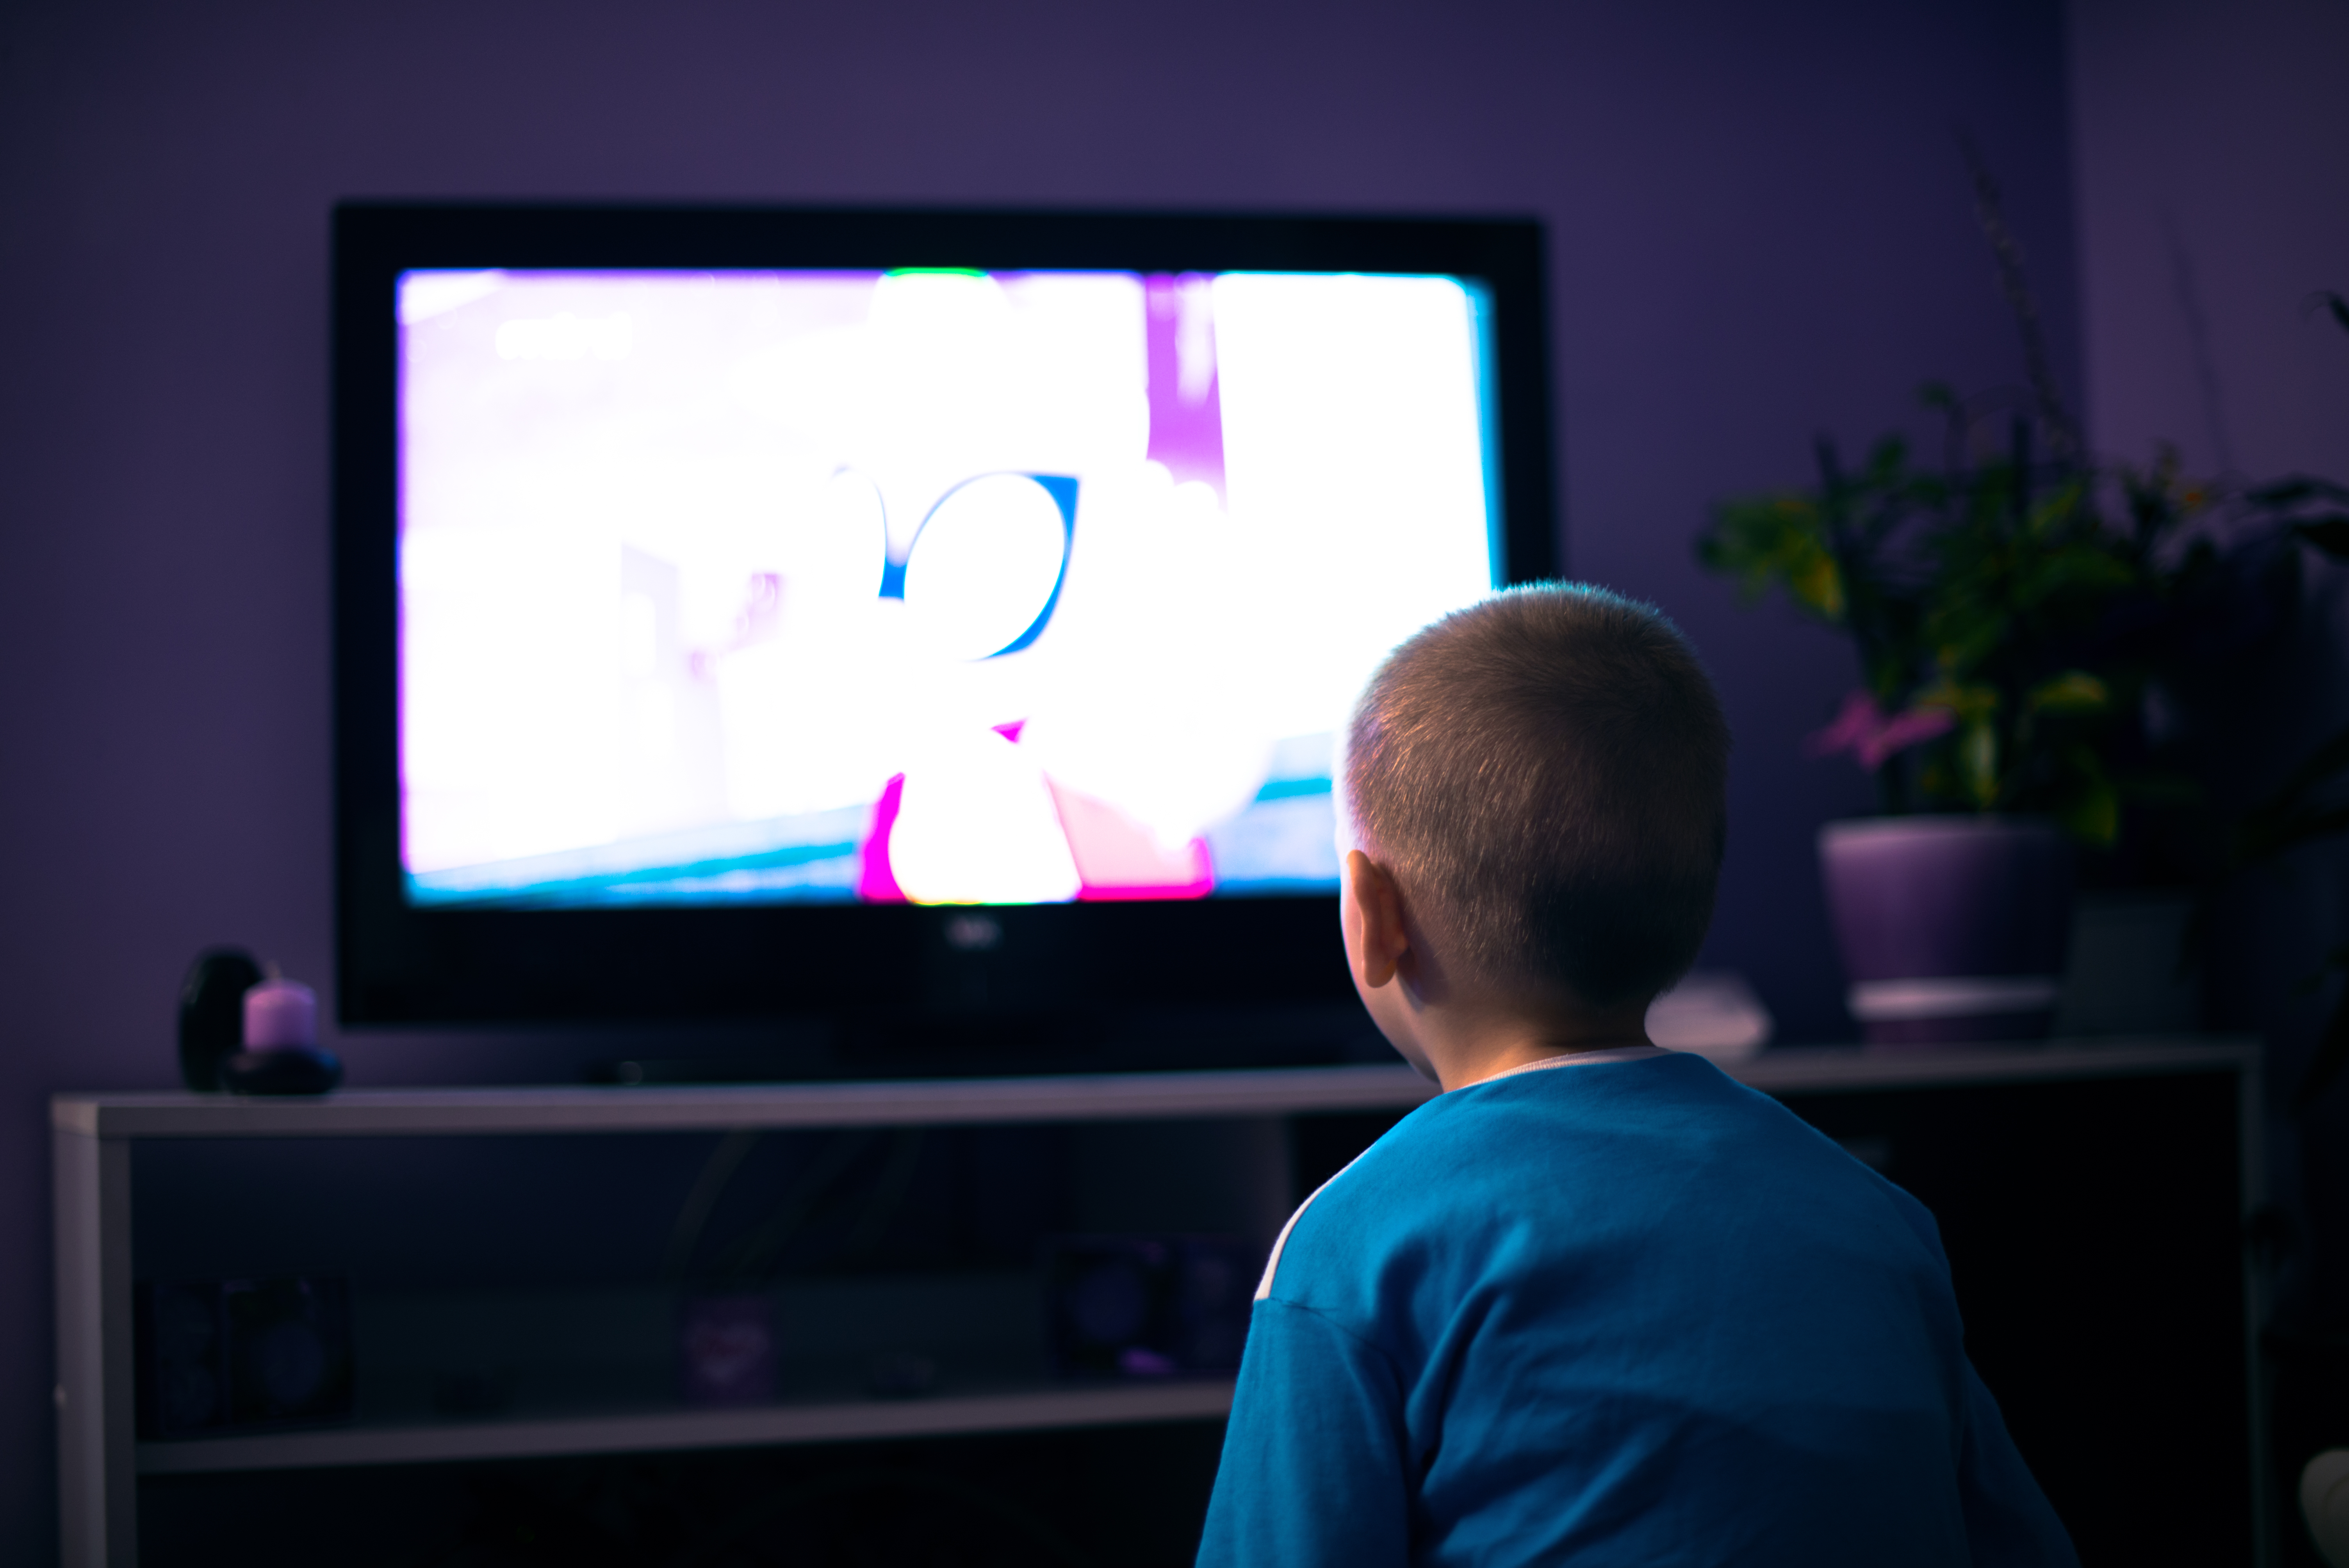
1478, 1044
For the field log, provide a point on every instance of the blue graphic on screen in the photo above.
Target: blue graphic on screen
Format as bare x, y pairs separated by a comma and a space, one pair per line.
929, 586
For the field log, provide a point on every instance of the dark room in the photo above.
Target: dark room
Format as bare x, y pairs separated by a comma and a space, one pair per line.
819, 783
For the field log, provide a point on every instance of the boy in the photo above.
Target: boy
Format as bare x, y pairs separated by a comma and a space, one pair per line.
1595, 1303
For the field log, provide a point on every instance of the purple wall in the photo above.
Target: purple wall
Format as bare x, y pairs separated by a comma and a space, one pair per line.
1759, 231
2212, 203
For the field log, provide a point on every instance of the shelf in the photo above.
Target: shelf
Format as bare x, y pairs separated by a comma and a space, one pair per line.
1104, 1097
1822, 1069
864, 1419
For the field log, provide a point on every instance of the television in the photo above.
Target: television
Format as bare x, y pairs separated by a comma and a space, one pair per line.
928, 629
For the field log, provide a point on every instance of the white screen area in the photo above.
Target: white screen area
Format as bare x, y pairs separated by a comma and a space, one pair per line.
929, 586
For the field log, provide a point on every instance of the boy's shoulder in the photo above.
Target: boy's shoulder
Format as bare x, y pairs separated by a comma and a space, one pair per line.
1617, 1151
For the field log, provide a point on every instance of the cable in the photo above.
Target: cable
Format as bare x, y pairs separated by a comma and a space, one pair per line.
888, 1192
716, 1173
755, 1252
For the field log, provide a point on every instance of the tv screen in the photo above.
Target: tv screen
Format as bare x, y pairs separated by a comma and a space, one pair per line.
720, 590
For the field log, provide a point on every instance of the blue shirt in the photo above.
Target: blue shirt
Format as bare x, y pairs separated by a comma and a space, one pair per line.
1615, 1310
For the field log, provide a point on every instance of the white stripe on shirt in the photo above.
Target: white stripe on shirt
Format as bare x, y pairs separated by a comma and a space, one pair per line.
1568, 1059
1578, 1059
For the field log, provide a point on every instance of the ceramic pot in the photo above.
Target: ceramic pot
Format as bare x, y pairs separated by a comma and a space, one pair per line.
1953, 929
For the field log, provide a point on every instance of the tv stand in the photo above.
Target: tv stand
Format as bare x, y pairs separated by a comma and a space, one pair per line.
2006, 1144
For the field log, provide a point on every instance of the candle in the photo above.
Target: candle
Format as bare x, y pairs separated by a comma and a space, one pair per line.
280, 1013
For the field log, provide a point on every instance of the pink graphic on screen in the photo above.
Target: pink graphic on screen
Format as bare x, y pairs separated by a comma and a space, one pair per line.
875, 884
932, 585
1187, 414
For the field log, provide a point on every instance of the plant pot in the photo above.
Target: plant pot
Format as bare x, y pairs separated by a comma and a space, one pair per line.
1953, 929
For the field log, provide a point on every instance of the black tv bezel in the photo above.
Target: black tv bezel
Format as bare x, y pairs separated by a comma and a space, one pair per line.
402, 966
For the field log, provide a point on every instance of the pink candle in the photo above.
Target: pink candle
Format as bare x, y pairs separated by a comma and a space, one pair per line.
280, 1013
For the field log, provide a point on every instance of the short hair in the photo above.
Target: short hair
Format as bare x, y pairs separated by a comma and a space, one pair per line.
1545, 774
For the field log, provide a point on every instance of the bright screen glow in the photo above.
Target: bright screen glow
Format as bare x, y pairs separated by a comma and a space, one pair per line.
931, 584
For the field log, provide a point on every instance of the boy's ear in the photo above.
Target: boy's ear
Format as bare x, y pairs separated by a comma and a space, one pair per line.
1374, 920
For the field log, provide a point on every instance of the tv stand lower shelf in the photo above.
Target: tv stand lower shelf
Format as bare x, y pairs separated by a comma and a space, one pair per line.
654, 1431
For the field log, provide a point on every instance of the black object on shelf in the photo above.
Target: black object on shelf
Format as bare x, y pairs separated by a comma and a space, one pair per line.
1147, 1306
281, 1069
218, 1355
212, 1014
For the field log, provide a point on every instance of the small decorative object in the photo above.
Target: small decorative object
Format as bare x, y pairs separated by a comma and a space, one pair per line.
726, 1350
281, 1054
211, 1013
1716, 1015
2324, 1504
226, 1355
1146, 1306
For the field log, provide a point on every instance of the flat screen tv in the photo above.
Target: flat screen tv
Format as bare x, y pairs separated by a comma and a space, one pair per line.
918, 626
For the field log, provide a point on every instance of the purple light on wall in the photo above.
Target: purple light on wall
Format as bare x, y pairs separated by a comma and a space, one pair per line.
1187, 407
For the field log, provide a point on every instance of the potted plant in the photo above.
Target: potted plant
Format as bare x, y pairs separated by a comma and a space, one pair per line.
2031, 632
2030, 628
2001, 624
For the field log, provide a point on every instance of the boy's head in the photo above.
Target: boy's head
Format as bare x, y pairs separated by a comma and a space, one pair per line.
1542, 776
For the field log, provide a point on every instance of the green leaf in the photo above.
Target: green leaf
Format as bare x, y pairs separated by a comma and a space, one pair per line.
1978, 758
1818, 584
1972, 705
2074, 691
2093, 816
2080, 568
1885, 461
2162, 787
1778, 541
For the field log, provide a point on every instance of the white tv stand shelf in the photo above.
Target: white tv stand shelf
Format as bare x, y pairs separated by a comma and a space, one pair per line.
648, 1431
92, 1135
